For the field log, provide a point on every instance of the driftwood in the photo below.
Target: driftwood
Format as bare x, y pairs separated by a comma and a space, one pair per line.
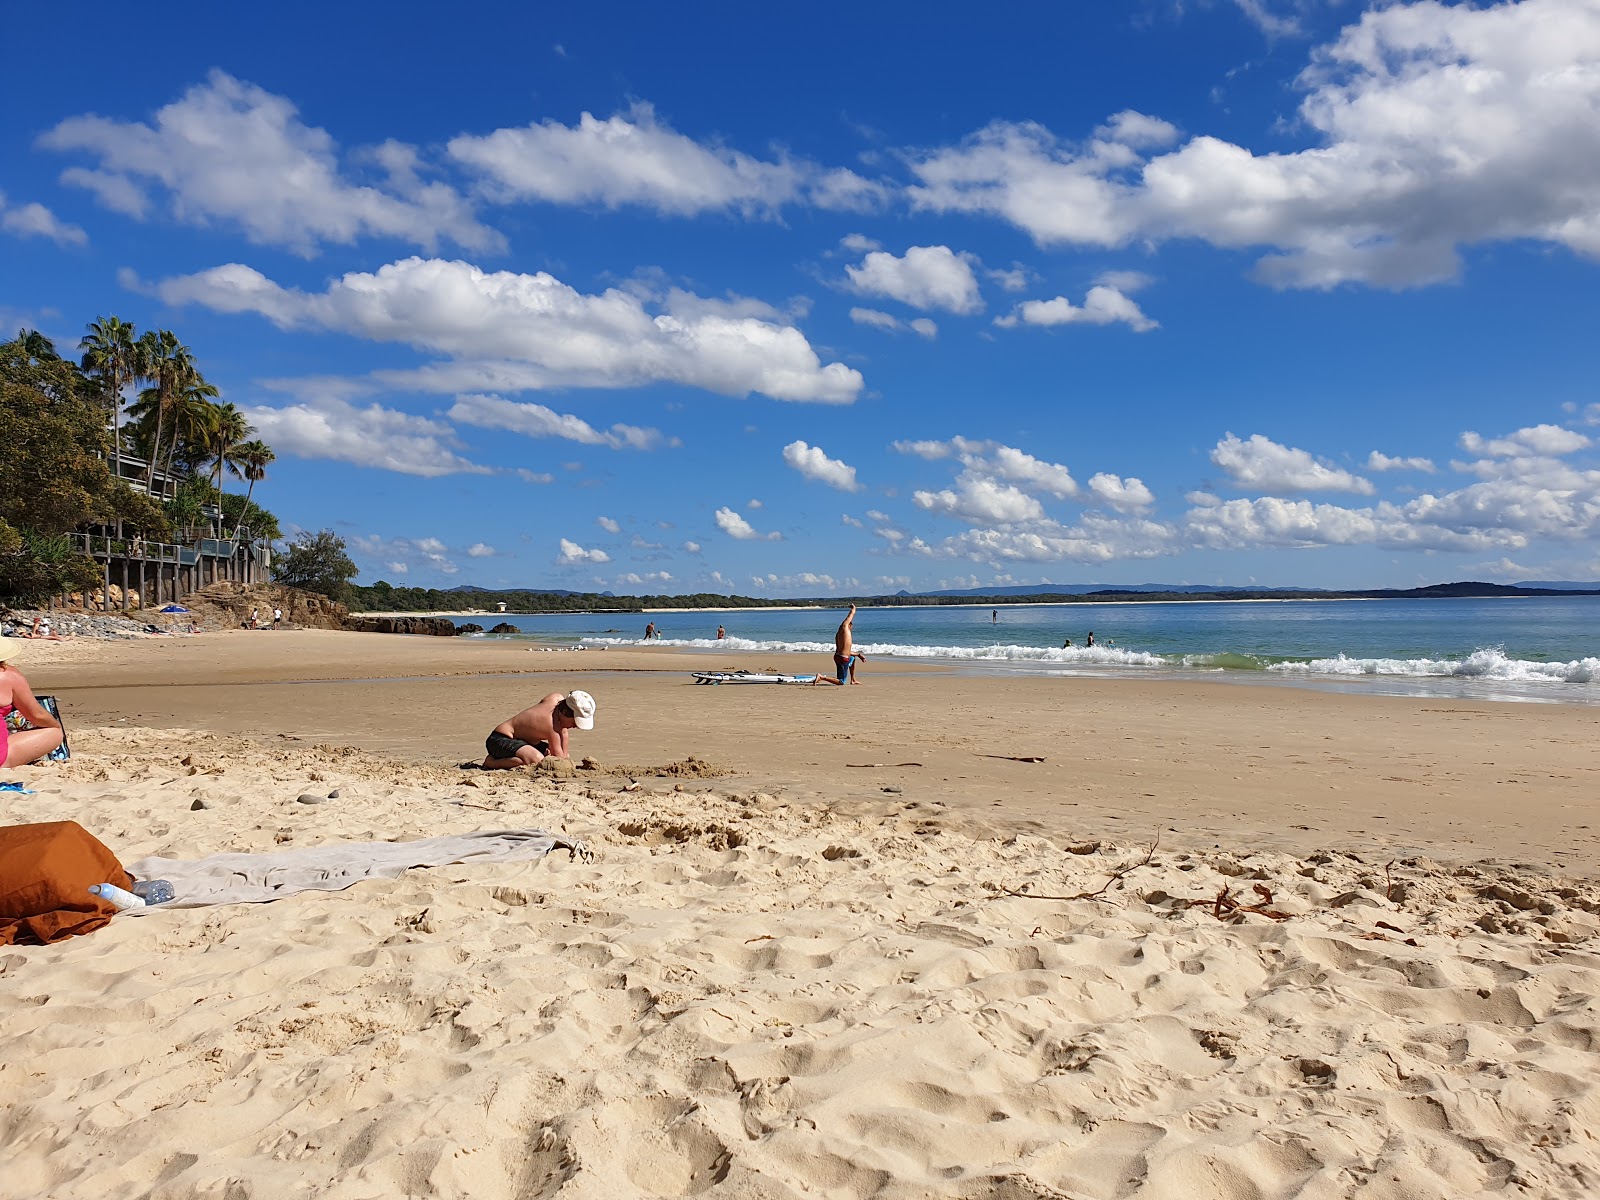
1015, 757
1097, 894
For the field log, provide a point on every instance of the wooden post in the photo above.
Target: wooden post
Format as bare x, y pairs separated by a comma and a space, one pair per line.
124, 580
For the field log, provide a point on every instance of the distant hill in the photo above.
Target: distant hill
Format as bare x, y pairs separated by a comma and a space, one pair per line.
483, 591
1560, 585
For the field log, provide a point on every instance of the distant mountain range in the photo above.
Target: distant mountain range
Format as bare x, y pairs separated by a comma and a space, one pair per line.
1084, 589
1560, 585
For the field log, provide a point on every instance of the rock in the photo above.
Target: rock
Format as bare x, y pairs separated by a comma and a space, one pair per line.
333, 795
198, 805
504, 627
469, 627
311, 798
428, 626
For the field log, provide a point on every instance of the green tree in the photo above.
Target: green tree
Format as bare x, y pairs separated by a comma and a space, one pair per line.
317, 562
254, 458
110, 354
53, 472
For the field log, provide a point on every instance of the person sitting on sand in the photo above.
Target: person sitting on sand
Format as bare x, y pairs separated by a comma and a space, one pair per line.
25, 745
539, 732
845, 654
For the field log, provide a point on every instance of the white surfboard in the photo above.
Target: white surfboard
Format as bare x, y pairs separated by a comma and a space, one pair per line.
715, 677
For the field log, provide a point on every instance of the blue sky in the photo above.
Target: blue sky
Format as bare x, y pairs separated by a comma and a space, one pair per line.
856, 298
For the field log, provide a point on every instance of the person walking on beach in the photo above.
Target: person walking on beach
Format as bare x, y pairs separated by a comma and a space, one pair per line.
539, 732
255, 618
845, 654
277, 617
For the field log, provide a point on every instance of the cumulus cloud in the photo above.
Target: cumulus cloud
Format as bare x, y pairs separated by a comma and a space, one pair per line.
853, 522
480, 550
35, 220
812, 463
928, 449
633, 158
691, 547
1125, 495
366, 436
516, 332
1262, 463
1379, 461
926, 277
535, 420
1547, 440
1104, 305
230, 152
572, 554
634, 579
735, 526
608, 524
877, 319
1431, 126
400, 554
979, 498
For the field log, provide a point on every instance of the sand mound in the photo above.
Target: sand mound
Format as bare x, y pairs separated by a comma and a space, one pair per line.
746, 997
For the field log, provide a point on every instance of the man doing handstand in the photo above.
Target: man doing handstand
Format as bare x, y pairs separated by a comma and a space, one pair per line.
539, 732
845, 655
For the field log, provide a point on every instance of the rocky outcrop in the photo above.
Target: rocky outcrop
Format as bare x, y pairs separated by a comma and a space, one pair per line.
227, 605
469, 627
430, 626
505, 627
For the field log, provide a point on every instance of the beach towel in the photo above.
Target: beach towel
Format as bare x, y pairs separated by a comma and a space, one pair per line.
16, 722
45, 874
258, 878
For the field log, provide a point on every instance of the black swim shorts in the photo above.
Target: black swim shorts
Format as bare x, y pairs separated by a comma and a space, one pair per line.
500, 746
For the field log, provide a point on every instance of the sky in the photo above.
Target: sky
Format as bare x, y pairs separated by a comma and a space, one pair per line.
848, 299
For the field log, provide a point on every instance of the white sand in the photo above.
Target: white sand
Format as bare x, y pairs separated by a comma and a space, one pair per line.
754, 996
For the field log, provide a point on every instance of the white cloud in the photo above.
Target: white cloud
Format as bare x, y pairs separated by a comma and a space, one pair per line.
35, 220
1125, 495
887, 321
981, 499
399, 554
753, 504
528, 476
535, 420
1264, 464
1379, 461
735, 526
1018, 466
812, 463
1013, 280
608, 524
1104, 305
1535, 440
853, 522
228, 151
370, 436
874, 514
634, 579
927, 277
517, 332
1430, 126
691, 547
634, 159
480, 550
859, 243
930, 450
572, 553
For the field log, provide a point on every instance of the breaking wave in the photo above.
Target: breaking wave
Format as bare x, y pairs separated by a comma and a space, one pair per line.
1099, 656
1489, 663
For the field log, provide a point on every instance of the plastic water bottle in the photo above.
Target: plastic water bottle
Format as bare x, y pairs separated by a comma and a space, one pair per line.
111, 893
154, 891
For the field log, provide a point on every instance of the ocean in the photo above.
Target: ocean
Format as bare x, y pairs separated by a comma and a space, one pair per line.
1522, 648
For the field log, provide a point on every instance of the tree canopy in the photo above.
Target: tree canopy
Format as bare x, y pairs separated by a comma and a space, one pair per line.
317, 562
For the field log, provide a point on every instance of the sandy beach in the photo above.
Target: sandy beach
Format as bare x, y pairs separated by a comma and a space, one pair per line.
1222, 941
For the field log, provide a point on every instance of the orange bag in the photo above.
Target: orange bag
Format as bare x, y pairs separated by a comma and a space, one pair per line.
45, 874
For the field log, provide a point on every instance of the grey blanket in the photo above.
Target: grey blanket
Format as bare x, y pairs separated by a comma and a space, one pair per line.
256, 878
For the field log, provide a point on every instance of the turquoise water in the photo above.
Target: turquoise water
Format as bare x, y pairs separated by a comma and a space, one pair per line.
1514, 649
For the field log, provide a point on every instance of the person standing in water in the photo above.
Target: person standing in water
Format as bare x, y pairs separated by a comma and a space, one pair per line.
1089, 641
721, 633
650, 631
845, 654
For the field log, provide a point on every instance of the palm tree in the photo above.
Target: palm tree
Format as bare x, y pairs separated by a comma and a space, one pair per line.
169, 364
110, 352
253, 458
228, 430
194, 420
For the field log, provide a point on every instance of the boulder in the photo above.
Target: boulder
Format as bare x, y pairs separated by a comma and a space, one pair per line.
505, 627
469, 627
428, 626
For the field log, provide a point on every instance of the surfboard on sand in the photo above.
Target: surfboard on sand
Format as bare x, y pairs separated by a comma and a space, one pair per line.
715, 677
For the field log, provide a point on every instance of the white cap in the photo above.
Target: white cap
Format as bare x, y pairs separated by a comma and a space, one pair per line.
581, 705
